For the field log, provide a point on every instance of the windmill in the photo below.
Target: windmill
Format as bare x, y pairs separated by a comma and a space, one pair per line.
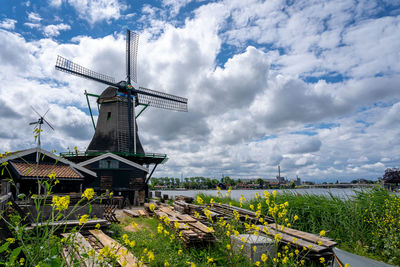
38, 128
116, 129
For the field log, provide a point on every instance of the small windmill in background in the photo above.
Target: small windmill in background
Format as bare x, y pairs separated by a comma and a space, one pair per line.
38, 129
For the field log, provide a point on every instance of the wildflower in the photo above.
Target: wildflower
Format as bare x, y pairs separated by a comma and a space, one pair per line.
228, 247
322, 260
278, 237
152, 207
254, 248
252, 207
52, 175
296, 251
21, 261
166, 264
264, 257
56, 182
89, 193
61, 203
347, 265
84, 218
150, 255
294, 239
200, 200
91, 252
274, 193
285, 260
176, 224
241, 247
132, 243
97, 226
180, 252
302, 262
210, 260
257, 263
322, 233
10, 240
310, 246
295, 217
319, 243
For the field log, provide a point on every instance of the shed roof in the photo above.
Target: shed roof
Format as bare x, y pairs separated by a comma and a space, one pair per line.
19, 154
33, 171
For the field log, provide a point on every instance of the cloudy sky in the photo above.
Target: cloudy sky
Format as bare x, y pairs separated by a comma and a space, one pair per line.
312, 86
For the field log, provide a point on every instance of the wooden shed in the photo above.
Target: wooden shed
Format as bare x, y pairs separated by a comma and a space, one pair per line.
119, 175
26, 167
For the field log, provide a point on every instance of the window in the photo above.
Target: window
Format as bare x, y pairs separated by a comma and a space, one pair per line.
108, 115
108, 164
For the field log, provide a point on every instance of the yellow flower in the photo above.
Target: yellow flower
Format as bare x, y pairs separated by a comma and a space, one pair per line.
97, 226
278, 237
274, 193
264, 257
10, 240
61, 203
89, 193
254, 248
257, 263
319, 243
166, 264
295, 217
84, 218
228, 247
322, 233
322, 260
180, 252
241, 247
200, 200
152, 207
294, 239
285, 260
52, 175
297, 251
91, 253
347, 265
21, 261
210, 260
150, 255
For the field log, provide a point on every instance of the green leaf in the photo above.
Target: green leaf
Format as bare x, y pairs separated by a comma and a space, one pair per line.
90, 208
14, 254
4, 247
21, 196
28, 171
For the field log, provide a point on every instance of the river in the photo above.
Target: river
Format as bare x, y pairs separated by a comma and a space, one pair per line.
249, 194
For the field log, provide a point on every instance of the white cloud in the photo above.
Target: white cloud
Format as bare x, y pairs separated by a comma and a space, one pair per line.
54, 30
8, 24
34, 17
97, 10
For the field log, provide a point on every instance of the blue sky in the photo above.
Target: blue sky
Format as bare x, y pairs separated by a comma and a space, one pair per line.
312, 86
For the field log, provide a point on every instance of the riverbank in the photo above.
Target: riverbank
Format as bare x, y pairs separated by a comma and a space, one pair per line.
366, 223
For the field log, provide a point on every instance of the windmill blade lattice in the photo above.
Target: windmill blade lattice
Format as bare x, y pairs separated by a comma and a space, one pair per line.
68, 66
161, 100
132, 43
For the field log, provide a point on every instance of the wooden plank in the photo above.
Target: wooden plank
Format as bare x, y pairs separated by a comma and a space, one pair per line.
80, 246
289, 239
129, 259
69, 223
198, 225
131, 213
304, 235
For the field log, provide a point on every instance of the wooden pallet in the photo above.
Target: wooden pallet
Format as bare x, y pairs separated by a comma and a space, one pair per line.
192, 231
303, 239
129, 259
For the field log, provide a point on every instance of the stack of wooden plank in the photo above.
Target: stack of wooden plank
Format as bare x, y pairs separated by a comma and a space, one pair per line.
227, 211
80, 246
191, 230
318, 246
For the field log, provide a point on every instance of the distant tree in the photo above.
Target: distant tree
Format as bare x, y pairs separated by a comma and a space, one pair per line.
260, 182
337, 181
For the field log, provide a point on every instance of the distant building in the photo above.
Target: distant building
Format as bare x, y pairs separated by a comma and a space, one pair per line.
297, 182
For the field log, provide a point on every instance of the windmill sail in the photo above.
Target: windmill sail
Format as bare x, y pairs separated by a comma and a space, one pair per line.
132, 42
68, 66
161, 100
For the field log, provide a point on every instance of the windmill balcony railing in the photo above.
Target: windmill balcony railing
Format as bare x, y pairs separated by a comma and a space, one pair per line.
94, 154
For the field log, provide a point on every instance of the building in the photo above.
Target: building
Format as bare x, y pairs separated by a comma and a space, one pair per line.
26, 167
119, 175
